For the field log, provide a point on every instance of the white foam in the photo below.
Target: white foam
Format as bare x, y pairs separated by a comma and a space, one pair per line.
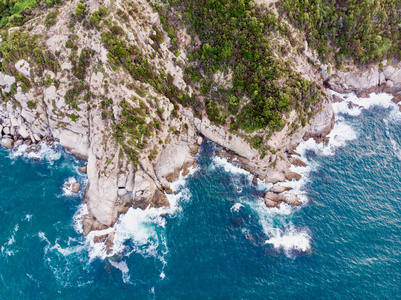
228, 167
50, 153
236, 207
78, 217
68, 250
123, 267
28, 218
340, 136
290, 239
382, 100
137, 231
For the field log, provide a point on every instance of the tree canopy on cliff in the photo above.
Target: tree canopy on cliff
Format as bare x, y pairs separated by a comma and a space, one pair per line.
236, 36
364, 30
15, 12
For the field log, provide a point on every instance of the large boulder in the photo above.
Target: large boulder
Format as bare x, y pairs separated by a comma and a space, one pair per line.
274, 199
75, 187
7, 143
279, 189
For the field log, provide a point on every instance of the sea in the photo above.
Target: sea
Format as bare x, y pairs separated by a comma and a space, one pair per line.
217, 240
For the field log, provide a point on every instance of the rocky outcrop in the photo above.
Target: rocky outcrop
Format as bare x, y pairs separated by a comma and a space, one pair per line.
273, 199
385, 78
278, 189
85, 123
321, 124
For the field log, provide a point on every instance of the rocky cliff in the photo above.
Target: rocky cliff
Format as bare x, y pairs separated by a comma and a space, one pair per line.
74, 82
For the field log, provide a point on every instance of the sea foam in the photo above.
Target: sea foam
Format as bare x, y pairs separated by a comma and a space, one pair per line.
137, 231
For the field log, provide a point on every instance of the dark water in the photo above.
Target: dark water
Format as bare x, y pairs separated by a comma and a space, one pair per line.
218, 240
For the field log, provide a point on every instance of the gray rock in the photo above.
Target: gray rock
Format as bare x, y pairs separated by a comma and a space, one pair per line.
83, 169
270, 203
37, 137
199, 140
7, 143
121, 192
292, 200
19, 142
279, 189
75, 187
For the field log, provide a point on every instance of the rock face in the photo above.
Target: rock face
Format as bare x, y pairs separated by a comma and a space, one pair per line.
278, 189
117, 178
375, 79
7, 143
75, 187
273, 199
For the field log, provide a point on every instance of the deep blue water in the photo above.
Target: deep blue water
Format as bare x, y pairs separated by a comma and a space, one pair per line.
343, 243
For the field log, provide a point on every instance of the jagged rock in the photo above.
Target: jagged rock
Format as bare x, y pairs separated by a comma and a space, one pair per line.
397, 98
274, 196
160, 199
255, 180
292, 175
292, 200
19, 142
144, 189
199, 140
279, 189
7, 143
185, 172
297, 162
83, 169
90, 223
36, 137
75, 187
122, 180
336, 99
172, 160
100, 238
270, 203
23, 67
352, 105
107, 239
271, 198
122, 191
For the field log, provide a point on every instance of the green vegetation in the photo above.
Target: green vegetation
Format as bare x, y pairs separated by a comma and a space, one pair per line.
16, 12
133, 125
236, 36
364, 30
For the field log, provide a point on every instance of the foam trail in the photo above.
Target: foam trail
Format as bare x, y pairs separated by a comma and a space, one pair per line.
227, 166
122, 266
78, 217
394, 144
43, 151
137, 231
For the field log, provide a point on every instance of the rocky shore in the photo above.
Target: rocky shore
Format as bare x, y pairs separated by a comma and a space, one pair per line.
141, 177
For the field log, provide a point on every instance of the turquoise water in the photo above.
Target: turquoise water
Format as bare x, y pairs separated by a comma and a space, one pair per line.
218, 241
